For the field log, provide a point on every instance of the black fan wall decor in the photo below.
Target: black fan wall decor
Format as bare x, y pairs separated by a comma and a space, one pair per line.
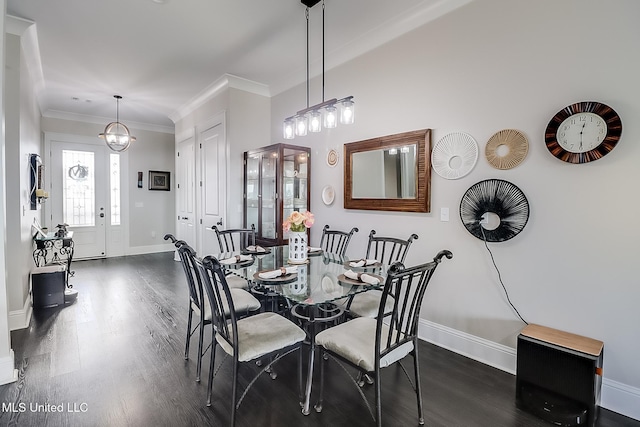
501, 198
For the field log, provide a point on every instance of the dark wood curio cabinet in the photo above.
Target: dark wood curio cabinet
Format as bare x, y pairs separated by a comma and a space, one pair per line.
276, 183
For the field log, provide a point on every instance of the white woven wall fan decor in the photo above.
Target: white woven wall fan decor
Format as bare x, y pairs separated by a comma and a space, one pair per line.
454, 155
506, 149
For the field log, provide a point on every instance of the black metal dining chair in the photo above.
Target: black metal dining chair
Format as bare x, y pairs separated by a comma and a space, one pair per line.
245, 303
370, 344
235, 240
262, 336
387, 250
336, 241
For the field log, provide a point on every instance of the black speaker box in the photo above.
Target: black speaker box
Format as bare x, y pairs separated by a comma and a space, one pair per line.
47, 286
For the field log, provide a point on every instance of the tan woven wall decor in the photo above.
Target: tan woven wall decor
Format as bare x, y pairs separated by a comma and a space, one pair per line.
516, 145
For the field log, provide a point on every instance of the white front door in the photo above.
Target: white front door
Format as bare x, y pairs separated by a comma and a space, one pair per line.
79, 185
213, 185
186, 191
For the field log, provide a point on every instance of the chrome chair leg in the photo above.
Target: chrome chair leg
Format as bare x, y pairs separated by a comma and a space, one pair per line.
200, 340
323, 362
211, 370
418, 387
186, 347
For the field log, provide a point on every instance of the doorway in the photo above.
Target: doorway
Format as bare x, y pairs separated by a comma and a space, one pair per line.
85, 183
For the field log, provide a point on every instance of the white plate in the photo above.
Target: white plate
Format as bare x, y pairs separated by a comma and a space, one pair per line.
332, 158
328, 194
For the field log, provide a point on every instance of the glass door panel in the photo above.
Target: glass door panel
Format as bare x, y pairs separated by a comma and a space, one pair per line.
269, 202
253, 190
78, 188
288, 187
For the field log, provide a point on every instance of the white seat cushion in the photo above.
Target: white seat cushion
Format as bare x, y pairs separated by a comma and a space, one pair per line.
236, 282
243, 301
355, 341
261, 334
366, 304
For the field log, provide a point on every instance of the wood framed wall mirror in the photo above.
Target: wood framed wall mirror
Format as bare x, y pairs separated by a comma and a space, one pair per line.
389, 173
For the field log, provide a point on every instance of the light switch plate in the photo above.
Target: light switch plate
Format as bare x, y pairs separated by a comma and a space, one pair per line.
444, 214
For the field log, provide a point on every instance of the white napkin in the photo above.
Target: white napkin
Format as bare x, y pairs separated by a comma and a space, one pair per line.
312, 249
236, 259
362, 262
363, 277
272, 274
255, 248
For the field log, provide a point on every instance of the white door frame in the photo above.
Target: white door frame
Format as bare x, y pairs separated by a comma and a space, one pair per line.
112, 248
201, 129
185, 188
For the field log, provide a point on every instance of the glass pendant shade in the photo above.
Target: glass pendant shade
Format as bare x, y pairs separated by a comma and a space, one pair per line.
315, 121
117, 136
288, 129
301, 125
330, 117
346, 111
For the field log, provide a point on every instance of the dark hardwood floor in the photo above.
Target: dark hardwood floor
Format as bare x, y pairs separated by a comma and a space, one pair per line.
115, 358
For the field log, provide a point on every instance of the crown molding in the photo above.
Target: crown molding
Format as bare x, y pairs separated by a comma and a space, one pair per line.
227, 81
64, 115
28, 33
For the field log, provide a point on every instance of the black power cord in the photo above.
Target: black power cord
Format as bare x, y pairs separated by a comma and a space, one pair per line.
500, 276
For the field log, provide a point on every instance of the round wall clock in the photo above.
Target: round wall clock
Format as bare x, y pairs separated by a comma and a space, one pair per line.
583, 132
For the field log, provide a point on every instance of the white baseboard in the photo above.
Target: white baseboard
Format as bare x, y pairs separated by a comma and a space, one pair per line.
485, 351
20, 319
8, 372
617, 397
152, 249
620, 398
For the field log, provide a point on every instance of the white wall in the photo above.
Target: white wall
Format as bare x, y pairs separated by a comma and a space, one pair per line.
149, 211
22, 138
247, 124
492, 65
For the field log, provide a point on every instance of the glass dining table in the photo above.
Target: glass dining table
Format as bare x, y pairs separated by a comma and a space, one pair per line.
316, 294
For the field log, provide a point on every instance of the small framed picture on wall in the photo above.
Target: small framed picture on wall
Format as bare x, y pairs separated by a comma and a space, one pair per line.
159, 180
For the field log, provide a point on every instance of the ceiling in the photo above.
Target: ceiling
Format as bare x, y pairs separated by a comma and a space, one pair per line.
163, 55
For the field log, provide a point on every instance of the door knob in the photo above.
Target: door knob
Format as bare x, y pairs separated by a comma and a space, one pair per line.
219, 222
101, 214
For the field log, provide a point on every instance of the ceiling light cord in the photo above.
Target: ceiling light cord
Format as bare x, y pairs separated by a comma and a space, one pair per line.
117, 97
307, 15
322, 51
326, 114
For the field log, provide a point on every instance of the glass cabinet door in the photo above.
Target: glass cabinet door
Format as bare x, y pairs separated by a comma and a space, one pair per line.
269, 191
276, 184
252, 190
295, 181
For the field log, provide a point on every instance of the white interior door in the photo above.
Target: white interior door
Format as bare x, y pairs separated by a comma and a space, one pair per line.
213, 183
79, 195
186, 191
